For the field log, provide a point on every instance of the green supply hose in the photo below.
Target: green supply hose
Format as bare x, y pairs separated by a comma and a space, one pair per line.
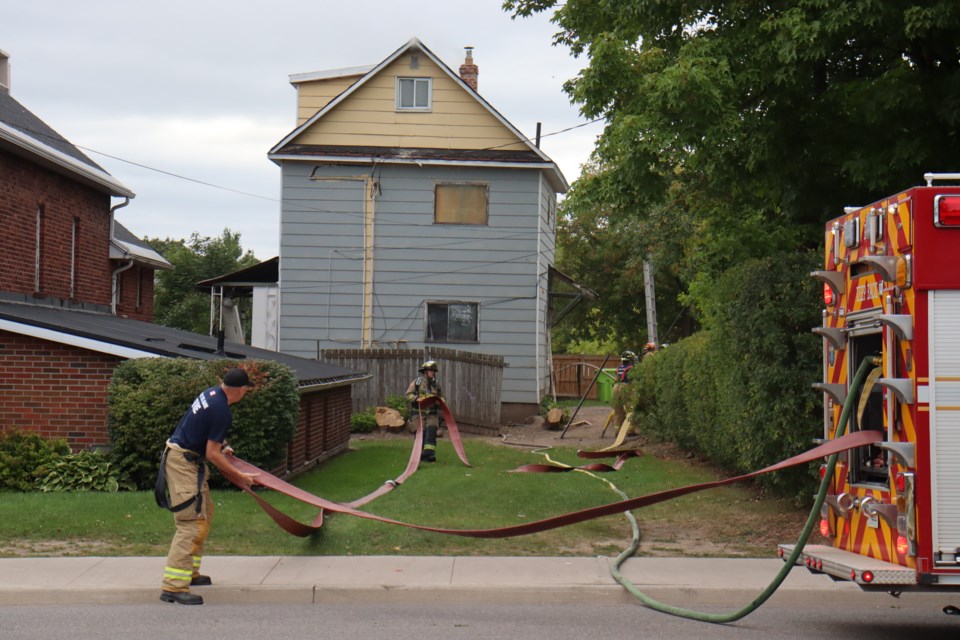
789, 563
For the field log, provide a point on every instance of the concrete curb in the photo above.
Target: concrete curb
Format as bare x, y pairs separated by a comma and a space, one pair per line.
408, 579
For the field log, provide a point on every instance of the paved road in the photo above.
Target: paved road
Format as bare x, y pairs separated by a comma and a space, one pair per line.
886, 619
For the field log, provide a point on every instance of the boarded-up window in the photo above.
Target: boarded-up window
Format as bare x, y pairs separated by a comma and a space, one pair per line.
453, 322
460, 204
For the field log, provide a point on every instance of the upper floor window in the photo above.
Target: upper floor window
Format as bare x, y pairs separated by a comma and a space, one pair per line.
453, 322
460, 203
414, 93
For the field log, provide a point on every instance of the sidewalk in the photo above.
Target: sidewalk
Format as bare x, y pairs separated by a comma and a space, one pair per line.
406, 579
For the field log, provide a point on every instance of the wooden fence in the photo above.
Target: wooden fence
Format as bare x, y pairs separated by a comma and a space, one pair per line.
573, 373
470, 381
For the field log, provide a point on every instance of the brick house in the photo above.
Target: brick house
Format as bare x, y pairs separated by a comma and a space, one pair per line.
76, 298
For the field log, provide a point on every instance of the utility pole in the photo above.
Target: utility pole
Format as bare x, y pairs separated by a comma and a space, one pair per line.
651, 303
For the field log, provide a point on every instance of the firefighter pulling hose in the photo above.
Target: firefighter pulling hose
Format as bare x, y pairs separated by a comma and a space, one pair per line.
423, 388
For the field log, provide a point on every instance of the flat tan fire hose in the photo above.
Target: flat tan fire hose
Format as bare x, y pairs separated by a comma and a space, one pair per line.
414, 462
266, 479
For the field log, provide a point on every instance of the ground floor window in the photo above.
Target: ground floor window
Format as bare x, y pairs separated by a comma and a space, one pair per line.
453, 322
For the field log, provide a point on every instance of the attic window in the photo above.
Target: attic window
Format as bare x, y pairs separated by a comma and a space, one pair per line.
413, 94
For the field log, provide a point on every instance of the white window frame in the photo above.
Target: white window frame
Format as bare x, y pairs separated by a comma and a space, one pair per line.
415, 80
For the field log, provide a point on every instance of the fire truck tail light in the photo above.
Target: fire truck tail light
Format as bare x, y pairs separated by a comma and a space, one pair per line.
903, 545
825, 528
827, 294
823, 471
900, 482
867, 576
946, 211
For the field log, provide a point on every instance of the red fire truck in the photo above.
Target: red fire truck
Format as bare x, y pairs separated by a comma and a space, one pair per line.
891, 289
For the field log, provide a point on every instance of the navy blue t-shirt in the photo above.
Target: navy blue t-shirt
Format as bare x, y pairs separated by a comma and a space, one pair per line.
208, 418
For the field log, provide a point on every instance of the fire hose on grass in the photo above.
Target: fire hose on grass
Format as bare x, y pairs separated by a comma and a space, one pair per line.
831, 448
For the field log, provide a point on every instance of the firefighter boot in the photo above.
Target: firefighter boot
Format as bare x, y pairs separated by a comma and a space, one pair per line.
429, 453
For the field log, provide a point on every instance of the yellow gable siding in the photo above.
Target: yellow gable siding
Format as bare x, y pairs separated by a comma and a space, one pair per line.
369, 116
313, 96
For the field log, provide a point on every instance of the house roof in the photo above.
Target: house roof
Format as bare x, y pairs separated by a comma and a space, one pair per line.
344, 72
129, 338
287, 150
126, 246
24, 134
266, 272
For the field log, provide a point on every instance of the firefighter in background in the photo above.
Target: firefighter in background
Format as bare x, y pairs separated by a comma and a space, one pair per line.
628, 360
649, 349
426, 386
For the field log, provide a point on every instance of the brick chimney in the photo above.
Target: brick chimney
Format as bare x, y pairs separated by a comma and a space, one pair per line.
468, 70
5, 71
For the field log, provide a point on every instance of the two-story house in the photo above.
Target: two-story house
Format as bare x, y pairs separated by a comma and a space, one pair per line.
76, 298
414, 213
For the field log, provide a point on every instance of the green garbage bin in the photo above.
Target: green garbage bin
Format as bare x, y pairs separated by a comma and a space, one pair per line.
605, 385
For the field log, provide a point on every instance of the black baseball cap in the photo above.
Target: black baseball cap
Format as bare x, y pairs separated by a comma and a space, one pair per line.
237, 377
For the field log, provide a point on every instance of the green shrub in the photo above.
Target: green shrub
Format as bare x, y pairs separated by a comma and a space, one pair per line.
25, 457
739, 390
363, 421
399, 403
149, 395
86, 471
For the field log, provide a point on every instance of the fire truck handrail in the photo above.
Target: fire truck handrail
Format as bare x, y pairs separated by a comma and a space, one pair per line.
930, 177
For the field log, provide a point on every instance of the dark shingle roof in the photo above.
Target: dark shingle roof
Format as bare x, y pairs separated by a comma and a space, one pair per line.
163, 341
401, 153
18, 117
266, 272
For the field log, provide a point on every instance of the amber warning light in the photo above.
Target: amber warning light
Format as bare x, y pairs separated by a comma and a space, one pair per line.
946, 211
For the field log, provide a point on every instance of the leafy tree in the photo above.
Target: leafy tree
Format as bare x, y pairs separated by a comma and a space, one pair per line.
736, 128
177, 302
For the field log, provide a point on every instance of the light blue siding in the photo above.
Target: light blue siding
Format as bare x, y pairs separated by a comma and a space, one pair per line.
501, 266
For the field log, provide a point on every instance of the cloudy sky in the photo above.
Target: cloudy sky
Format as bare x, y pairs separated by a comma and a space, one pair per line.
180, 100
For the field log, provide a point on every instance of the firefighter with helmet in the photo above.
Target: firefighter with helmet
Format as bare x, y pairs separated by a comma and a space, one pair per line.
423, 387
628, 360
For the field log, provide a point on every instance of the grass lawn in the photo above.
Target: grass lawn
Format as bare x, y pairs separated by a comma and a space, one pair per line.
730, 521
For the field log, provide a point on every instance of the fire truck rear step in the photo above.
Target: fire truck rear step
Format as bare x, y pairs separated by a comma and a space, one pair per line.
851, 566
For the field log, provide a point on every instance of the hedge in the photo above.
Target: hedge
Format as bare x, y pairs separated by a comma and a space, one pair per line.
148, 396
739, 391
